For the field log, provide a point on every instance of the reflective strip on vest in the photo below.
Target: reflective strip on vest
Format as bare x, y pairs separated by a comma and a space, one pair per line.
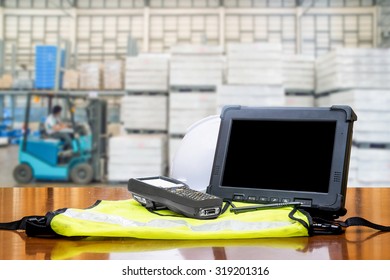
126, 218
160, 223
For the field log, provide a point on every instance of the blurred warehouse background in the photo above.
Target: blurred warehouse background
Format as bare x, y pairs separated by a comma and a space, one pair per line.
162, 65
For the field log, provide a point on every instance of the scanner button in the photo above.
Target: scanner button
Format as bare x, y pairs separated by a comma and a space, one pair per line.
274, 199
251, 198
263, 198
238, 197
285, 200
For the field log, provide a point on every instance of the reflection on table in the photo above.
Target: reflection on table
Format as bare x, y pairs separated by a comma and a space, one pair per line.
356, 243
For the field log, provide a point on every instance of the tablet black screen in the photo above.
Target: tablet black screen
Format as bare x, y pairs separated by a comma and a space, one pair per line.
280, 155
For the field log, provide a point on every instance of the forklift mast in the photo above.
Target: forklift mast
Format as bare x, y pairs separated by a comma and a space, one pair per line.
97, 119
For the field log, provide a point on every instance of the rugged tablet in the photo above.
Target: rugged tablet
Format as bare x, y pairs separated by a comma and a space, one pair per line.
270, 155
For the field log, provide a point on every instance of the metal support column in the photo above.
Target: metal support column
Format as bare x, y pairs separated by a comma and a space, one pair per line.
58, 65
13, 61
12, 98
1, 107
222, 20
146, 29
2, 60
68, 54
1, 19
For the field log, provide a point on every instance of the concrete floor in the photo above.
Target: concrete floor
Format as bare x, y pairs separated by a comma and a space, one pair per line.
8, 161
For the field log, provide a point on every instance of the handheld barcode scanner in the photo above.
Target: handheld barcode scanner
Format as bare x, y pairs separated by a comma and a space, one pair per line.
157, 193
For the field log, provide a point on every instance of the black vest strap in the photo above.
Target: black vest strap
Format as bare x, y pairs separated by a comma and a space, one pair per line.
323, 226
19, 224
358, 221
38, 226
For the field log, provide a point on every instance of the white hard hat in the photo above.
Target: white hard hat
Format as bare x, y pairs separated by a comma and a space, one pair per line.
193, 160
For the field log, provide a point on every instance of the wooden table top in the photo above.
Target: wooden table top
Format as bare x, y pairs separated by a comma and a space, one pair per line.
356, 243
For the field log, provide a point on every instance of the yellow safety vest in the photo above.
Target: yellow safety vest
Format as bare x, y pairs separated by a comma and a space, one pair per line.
127, 218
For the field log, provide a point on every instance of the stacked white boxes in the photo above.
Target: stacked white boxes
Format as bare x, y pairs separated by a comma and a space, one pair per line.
299, 80
136, 155
298, 73
370, 160
112, 75
3, 141
195, 72
373, 167
147, 72
6, 81
254, 64
196, 65
372, 107
297, 100
187, 108
142, 149
353, 68
174, 144
90, 76
144, 112
359, 78
23, 80
71, 79
353, 168
250, 95
254, 76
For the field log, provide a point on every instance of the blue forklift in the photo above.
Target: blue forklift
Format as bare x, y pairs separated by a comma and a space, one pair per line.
43, 158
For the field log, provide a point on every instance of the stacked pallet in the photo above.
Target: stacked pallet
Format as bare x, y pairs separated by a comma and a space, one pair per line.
147, 73
359, 78
71, 79
353, 68
299, 80
250, 95
195, 72
90, 76
3, 141
254, 76
373, 167
196, 65
144, 112
23, 80
299, 100
6, 81
188, 108
136, 155
373, 109
353, 168
298, 73
173, 146
254, 64
112, 75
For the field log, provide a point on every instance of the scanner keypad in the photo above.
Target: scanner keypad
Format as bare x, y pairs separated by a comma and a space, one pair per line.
191, 194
